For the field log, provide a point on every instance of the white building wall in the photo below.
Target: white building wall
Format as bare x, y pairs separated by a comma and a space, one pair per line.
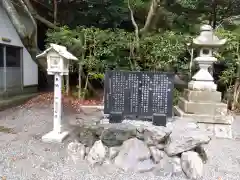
7, 30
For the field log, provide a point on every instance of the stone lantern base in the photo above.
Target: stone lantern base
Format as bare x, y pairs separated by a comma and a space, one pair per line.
202, 85
206, 108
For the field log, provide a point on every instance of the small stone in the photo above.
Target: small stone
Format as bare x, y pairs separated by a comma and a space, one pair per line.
76, 151
157, 154
117, 133
148, 139
181, 141
76, 148
113, 152
97, 153
139, 132
131, 153
192, 165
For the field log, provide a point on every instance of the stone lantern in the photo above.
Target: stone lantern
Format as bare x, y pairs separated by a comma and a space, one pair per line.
201, 102
58, 65
206, 42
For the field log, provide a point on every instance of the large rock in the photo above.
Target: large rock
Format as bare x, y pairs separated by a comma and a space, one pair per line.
86, 135
169, 167
185, 140
116, 134
151, 134
192, 165
97, 153
155, 135
134, 155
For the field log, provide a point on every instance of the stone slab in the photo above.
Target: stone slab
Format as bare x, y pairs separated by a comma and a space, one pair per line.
217, 130
202, 96
208, 108
203, 118
55, 137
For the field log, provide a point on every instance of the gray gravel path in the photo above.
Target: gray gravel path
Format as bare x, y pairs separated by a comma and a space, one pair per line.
24, 157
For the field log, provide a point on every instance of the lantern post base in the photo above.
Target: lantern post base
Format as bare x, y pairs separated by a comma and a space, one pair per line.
54, 136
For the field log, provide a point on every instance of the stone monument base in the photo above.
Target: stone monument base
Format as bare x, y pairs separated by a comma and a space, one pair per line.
204, 118
206, 109
55, 137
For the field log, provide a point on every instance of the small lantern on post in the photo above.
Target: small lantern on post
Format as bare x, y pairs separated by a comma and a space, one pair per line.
58, 65
206, 42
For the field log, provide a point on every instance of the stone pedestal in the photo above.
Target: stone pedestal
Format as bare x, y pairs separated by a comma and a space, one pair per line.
206, 108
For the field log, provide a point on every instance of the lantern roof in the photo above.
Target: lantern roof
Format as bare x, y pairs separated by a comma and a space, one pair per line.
61, 50
208, 38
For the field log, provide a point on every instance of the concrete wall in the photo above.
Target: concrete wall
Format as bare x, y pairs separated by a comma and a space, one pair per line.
7, 30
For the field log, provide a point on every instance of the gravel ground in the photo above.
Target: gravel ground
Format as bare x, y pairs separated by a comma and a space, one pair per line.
24, 157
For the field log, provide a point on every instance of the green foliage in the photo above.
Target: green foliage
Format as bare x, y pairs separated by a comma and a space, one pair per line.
164, 52
105, 38
230, 55
176, 95
99, 50
84, 93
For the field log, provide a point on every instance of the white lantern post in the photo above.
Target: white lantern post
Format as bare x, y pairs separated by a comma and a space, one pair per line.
58, 65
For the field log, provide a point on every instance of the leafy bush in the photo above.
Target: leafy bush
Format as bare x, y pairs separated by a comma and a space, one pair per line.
99, 50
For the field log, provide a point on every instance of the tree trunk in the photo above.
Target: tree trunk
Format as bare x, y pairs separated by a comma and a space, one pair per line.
153, 11
33, 48
55, 11
67, 85
79, 80
15, 18
214, 14
85, 87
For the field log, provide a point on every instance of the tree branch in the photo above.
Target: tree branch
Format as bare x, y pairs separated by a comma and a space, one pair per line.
38, 17
136, 40
43, 5
155, 5
134, 22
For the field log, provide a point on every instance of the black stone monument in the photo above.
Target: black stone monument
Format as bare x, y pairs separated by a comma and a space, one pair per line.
147, 94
